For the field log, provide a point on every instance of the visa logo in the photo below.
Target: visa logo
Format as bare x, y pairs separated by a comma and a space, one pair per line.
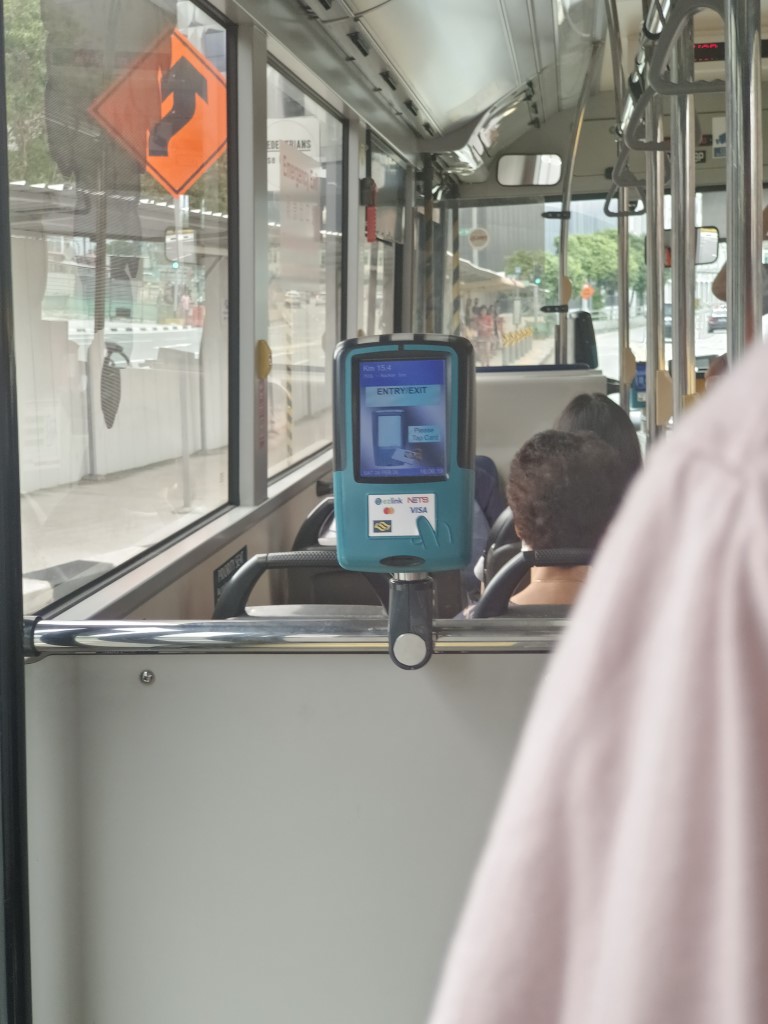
420, 510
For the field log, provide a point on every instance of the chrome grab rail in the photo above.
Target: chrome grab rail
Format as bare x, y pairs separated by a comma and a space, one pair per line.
273, 635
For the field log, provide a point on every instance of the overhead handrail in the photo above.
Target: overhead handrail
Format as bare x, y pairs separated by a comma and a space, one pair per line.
622, 176
634, 127
613, 193
658, 67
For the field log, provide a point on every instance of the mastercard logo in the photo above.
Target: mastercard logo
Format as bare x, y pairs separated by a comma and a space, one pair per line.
388, 511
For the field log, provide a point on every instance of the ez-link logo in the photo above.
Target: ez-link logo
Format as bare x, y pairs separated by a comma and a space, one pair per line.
389, 501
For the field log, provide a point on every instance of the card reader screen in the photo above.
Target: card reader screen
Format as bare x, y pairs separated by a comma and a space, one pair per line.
402, 419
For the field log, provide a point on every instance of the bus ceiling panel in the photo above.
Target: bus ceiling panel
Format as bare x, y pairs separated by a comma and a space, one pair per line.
456, 59
431, 68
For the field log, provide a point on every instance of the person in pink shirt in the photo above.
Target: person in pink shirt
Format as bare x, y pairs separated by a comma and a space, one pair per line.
625, 879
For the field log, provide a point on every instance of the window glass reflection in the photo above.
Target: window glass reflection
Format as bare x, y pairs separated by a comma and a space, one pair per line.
121, 342
304, 175
381, 237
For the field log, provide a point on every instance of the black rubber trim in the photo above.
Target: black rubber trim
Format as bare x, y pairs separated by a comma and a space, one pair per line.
234, 597
16, 1000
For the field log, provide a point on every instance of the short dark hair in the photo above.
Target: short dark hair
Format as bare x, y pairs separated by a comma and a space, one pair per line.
608, 420
564, 488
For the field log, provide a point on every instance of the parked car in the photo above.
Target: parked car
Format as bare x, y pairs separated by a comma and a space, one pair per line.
717, 319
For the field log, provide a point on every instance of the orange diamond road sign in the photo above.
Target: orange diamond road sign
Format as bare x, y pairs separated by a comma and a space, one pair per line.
587, 291
169, 110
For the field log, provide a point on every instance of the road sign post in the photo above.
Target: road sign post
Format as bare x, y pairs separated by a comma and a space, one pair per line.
169, 111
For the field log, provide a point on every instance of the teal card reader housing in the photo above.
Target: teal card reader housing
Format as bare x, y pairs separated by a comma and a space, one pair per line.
404, 449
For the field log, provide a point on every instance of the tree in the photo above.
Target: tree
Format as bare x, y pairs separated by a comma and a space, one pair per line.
529, 265
25, 73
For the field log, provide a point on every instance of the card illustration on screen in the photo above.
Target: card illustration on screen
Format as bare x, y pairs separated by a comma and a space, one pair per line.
402, 418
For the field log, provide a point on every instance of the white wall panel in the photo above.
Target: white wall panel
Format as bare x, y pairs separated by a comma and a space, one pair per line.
272, 838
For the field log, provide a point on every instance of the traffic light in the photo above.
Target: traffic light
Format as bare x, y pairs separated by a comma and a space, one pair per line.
537, 275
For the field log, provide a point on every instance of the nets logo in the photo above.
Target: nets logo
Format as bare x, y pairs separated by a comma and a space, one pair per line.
382, 525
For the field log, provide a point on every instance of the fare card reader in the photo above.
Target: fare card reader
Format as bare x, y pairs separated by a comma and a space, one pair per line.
404, 429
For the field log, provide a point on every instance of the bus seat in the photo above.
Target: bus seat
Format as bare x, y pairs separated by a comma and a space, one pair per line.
495, 599
503, 544
513, 405
315, 524
330, 584
584, 344
233, 599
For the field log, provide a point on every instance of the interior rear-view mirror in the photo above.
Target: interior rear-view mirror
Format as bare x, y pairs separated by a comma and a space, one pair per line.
707, 242
516, 169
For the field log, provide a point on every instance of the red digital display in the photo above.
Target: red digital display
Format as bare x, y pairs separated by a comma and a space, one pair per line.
708, 51
703, 52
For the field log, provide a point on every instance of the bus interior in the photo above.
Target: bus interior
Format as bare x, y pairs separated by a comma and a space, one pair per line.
260, 817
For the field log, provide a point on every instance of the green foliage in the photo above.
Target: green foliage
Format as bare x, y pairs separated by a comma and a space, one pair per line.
28, 155
534, 264
592, 259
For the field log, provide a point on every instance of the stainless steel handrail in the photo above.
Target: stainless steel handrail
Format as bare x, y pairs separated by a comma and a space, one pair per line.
743, 173
271, 635
680, 16
654, 346
683, 229
561, 350
622, 239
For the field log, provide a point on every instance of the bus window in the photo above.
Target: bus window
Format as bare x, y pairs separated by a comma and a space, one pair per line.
120, 255
304, 161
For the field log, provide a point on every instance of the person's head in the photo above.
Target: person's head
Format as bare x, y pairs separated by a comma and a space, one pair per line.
608, 420
564, 488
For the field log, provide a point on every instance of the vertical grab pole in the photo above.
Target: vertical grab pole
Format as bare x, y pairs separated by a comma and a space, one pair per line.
623, 289
683, 229
428, 254
743, 119
561, 341
622, 241
654, 246
455, 273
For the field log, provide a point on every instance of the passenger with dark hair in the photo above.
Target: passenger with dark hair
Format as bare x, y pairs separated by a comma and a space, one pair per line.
563, 489
608, 420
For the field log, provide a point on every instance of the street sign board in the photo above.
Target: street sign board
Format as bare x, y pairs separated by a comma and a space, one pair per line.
478, 238
169, 110
587, 291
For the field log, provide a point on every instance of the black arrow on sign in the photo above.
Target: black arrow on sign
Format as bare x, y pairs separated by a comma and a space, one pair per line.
185, 82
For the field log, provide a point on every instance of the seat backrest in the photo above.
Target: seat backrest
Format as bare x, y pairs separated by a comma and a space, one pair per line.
536, 611
329, 584
233, 599
513, 406
495, 598
503, 544
584, 344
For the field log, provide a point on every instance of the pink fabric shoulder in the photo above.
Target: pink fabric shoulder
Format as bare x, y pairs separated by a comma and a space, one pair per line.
625, 880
